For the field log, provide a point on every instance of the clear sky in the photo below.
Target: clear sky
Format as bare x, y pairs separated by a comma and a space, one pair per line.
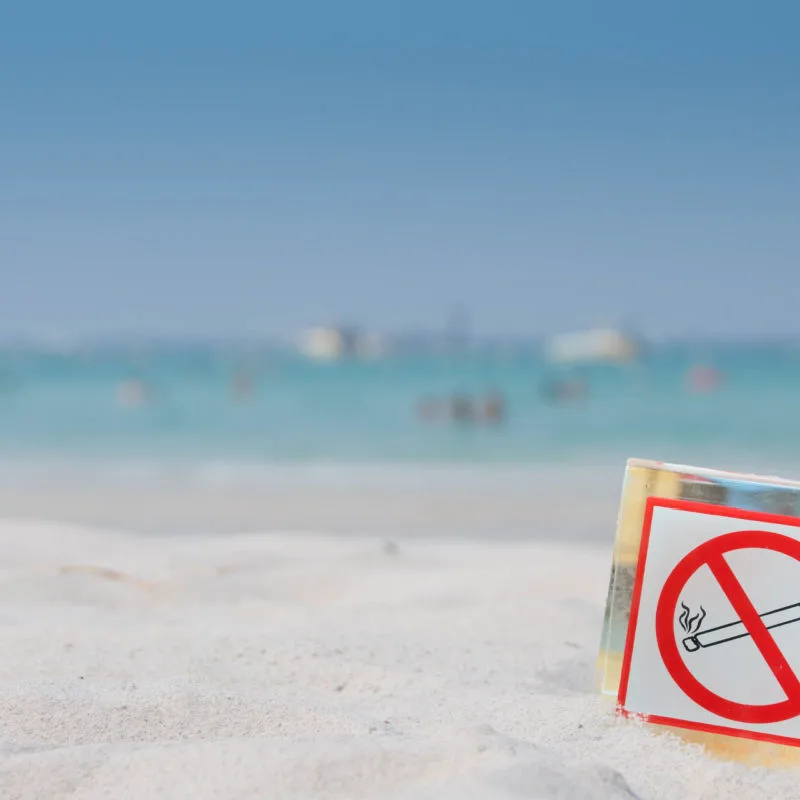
227, 169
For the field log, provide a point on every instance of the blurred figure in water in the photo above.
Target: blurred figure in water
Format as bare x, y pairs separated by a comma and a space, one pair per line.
702, 380
429, 409
564, 390
461, 408
133, 393
493, 409
243, 384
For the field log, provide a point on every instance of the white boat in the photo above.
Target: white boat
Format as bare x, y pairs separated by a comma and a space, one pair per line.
333, 343
598, 344
328, 344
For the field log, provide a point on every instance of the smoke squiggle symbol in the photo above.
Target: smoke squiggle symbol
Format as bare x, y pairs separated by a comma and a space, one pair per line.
691, 624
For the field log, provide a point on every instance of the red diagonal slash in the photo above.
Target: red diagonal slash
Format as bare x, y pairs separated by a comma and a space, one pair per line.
711, 553
755, 625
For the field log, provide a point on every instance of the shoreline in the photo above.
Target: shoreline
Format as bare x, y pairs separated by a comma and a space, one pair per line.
577, 505
560, 501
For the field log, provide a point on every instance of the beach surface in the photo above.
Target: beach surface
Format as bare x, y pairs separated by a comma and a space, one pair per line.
282, 663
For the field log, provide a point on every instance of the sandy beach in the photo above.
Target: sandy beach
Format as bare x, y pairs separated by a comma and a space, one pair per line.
299, 665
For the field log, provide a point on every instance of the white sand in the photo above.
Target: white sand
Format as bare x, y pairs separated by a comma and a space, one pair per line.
292, 666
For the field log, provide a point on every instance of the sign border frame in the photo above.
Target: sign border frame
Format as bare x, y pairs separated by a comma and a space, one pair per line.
630, 637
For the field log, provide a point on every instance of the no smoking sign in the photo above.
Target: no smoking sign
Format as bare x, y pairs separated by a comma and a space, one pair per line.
713, 641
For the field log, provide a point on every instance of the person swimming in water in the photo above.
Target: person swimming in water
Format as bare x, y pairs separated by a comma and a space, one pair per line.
429, 409
458, 408
461, 408
493, 408
703, 379
133, 393
243, 384
564, 390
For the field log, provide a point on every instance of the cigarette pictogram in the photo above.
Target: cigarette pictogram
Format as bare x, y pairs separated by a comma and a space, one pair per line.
654, 678
722, 634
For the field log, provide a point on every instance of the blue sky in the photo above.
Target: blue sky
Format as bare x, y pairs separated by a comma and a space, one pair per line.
206, 169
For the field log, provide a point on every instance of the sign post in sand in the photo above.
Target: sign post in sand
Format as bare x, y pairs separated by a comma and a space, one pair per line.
702, 627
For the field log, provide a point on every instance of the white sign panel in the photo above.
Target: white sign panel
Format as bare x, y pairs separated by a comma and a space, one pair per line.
714, 635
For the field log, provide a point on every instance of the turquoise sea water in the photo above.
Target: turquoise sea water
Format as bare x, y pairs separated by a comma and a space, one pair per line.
64, 408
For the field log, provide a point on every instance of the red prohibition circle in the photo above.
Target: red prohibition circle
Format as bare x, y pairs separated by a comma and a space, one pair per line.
711, 553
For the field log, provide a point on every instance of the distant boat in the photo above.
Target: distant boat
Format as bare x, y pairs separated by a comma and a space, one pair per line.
333, 343
328, 344
598, 344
